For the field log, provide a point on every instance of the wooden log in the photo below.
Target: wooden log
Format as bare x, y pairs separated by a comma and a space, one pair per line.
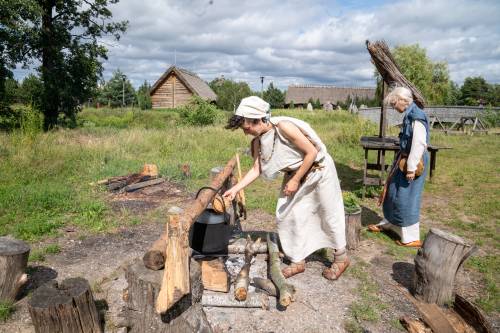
195, 208
143, 287
136, 186
286, 291
265, 285
353, 229
471, 314
253, 300
175, 283
243, 279
13, 260
67, 307
238, 247
434, 317
414, 325
436, 265
214, 275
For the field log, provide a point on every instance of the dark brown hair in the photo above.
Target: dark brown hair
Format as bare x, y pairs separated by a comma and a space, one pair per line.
235, 122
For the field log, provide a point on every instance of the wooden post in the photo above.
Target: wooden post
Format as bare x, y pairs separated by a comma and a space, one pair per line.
353, 229
13, 260
436, 265
143, 288
155, 256
67, 308
175, 282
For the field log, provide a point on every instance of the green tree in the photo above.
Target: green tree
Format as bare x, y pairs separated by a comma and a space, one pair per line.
30, 91
431, 79
143, 97
118, 91
317, 104
274, 96
11, 91
229, 93
474, 91
63, 36
292, 105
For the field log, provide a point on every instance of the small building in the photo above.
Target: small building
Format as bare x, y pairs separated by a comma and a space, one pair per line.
301, 94
176, 87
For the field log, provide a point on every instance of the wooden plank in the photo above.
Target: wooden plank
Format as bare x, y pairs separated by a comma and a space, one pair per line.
136, 186
471, 314
214, 275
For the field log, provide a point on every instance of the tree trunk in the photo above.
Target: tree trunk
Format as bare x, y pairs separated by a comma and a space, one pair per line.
436, 265
143, 287
155, 257
13, 260
67, 308
286, 291
353, 229
253, 300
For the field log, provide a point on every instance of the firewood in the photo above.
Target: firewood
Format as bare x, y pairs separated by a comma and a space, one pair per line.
266, 285
243, 279
136, 186
175, 282
214, 275
286, 291
471, 314
414, 326
238, 247
150, 170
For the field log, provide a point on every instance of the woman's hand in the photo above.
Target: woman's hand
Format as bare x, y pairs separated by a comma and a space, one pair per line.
231, 193
410, 175
291, 187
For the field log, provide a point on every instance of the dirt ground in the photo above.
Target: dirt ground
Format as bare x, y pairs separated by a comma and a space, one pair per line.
320, 306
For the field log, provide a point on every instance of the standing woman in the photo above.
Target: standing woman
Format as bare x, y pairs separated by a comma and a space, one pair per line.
401, 204
310, 210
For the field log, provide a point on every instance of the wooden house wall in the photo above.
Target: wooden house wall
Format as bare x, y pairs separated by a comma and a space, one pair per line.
171, 94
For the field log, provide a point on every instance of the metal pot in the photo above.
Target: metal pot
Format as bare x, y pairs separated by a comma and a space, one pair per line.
211, 231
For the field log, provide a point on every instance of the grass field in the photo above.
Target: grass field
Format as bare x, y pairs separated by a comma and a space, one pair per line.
46, 177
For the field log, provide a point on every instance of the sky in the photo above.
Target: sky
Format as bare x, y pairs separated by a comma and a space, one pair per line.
299, 41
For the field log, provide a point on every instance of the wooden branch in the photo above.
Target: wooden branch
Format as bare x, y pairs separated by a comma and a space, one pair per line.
253, 300
243, 278
414, 325
286, 291
155, 256
238, 247
136, 186
175, 282
471, 314
266, 285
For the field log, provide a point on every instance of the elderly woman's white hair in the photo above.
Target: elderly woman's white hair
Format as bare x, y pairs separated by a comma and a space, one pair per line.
397, 94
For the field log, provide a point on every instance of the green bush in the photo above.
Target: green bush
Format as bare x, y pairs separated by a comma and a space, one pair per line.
492, 117
351, 202
22, 117
198, 112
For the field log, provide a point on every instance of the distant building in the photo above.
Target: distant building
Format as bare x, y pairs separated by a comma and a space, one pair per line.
301, 94
176, 86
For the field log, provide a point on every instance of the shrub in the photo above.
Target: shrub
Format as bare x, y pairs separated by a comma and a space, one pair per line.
198, 112
17, 116
351, 202
492, 117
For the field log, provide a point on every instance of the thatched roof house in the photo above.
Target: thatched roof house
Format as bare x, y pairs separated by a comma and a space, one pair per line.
176, 86
300, 94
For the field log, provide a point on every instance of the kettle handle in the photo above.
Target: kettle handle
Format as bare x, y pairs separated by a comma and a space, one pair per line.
213, 189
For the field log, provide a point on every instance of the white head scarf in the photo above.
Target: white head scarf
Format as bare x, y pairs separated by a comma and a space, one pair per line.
253, 107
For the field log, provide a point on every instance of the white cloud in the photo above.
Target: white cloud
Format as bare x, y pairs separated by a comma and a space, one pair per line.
301, 41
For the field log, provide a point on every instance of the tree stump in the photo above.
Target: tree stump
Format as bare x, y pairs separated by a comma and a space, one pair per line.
353, 229
436, 265
186, 315
13, 260
67, 307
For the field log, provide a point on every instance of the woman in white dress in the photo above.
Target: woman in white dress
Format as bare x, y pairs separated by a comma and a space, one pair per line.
310, 210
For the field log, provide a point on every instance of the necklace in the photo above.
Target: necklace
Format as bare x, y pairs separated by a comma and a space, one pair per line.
262, 158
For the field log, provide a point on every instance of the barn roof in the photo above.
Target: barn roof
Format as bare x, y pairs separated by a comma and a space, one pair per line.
302, 93
192, 81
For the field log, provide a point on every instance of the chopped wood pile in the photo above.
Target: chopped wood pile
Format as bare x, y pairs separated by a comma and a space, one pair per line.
128, 183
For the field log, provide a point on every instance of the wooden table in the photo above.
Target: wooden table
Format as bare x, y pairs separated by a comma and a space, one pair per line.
381, 145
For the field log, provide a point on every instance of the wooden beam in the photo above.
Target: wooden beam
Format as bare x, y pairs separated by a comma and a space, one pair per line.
214, 275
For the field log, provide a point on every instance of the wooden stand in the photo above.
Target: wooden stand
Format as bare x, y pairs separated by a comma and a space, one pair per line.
436, 265
67, 308
13, 260
187, 315
353, 229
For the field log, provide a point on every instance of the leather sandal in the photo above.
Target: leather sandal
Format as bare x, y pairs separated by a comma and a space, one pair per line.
336, 269
374, 228
416, 243
293, 269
